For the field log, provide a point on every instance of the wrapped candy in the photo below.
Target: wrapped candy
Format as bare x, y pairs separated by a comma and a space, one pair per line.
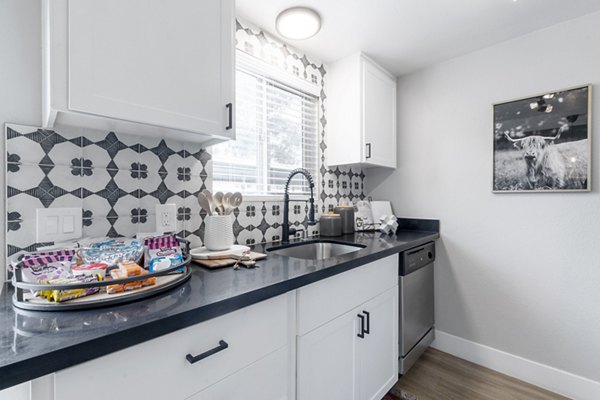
112, 251
46, 257
126, 270
45, 273
117, 287
60, 295
130, 268
148, 281
89, 269
121, 287
163, 241
163, 258
162, 252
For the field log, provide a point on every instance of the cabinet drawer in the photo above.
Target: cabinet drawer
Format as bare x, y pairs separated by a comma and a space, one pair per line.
323, 301
158, 369
267, 379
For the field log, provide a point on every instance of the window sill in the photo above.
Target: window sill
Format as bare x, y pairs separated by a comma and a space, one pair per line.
275, 197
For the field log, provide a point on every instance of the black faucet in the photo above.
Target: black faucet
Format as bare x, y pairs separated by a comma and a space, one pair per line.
285, 227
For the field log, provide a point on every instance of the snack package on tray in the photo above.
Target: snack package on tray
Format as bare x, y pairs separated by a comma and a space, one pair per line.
47, 272
158, 242
43, 265
69, 294
128, 269
162, 252
41, 258
90, 269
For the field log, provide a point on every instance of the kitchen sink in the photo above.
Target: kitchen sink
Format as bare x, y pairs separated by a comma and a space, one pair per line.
316, 249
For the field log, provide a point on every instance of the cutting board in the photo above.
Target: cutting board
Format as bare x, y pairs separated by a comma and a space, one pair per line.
204, 253
225, 262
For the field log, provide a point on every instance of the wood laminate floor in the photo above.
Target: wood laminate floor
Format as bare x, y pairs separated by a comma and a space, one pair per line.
441, 376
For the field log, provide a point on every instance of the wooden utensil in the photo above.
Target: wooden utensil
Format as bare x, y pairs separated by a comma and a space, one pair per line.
226, 204
204, 203
210, 199
218, 198
235, 201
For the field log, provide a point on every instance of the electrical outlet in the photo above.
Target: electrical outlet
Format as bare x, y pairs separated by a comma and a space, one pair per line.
166, 218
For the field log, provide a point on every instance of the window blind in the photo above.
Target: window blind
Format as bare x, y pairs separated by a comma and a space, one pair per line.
276, 132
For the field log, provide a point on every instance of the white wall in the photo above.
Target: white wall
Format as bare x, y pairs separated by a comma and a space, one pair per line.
20, 77
517, 272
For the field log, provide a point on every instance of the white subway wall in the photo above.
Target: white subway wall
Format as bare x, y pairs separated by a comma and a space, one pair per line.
516, 272
20, 78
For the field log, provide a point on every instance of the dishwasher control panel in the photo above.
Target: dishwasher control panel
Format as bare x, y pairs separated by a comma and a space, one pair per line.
414, 259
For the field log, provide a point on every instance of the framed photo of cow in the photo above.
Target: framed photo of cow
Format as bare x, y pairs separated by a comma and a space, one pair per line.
542, 143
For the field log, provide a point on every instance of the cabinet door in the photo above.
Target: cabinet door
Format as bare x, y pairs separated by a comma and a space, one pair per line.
379, 116
326, 367
157, 62
377, 353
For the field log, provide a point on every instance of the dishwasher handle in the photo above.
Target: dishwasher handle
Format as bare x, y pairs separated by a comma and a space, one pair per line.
417, 258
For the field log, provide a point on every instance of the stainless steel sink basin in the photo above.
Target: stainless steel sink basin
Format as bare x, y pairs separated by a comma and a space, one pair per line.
316, 249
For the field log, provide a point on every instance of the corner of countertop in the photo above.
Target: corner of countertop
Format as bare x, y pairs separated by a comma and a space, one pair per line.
417, 224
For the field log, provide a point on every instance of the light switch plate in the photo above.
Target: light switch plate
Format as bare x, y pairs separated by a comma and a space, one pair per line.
166, 218
58, 224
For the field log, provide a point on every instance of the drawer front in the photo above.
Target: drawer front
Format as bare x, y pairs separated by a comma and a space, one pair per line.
158, 369
266, 379
325, 300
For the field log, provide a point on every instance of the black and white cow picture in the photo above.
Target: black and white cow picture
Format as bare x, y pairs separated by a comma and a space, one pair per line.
541, 143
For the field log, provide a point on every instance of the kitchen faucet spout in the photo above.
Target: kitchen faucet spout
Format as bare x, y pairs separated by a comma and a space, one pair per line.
285, 227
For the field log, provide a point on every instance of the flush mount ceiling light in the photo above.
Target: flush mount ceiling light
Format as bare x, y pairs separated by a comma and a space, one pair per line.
298, 23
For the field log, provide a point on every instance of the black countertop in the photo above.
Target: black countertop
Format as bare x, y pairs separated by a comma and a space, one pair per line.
33, 344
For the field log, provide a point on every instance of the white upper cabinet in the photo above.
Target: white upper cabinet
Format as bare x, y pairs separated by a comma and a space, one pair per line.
361, 113
141, 66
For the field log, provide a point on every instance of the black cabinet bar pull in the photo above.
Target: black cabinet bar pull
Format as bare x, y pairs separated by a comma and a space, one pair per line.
361, 334
368, 328
230, 120
193, 359
369, 150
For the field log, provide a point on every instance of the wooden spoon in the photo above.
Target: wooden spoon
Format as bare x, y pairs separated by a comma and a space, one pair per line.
204, 203
218, 198
209, 197
235, 200
226, 204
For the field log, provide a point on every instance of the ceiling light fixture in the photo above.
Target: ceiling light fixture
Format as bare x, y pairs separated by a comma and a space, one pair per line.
298, 23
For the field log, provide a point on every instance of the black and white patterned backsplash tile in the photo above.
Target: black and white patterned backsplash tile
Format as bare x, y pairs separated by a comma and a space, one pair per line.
118, 180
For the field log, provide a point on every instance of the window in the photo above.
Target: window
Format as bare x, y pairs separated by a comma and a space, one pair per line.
276, 132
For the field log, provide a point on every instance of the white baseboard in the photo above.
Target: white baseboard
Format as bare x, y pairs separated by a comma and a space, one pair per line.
544, 376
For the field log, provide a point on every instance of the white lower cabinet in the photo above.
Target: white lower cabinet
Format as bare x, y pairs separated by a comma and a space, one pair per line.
334, 339
266, 379
377, 353
159, 369
354, 356
327, 361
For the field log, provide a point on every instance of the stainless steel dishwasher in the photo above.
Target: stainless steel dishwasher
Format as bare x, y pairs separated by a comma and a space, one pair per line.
416, 304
